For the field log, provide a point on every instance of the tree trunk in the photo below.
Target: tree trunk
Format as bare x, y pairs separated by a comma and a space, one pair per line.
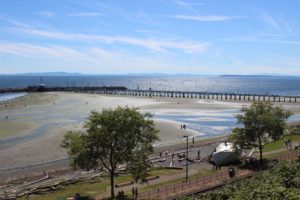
112, 184
260, 151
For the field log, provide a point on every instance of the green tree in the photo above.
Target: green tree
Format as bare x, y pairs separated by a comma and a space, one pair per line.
113, 137
261, 121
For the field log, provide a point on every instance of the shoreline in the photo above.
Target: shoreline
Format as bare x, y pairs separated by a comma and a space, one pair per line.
14, 98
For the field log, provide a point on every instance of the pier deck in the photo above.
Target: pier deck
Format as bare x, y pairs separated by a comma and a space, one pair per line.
163, 94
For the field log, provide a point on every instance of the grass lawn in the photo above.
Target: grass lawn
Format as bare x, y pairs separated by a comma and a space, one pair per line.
92, 189
279, 143
84, 189
274, 155
163, 171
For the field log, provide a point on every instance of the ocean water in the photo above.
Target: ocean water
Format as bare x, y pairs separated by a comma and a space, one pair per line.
11, 96
227, 84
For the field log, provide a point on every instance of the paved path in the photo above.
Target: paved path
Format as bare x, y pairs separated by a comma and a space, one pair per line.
194, 185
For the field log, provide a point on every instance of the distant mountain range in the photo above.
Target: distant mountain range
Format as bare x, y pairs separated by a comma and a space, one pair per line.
50, 74
144, 74
257, 75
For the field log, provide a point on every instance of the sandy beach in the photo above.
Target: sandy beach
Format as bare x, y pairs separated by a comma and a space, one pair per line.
32, 127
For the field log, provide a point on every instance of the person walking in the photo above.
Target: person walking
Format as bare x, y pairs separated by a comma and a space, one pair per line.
133, 193
136, 193
231, 172
289, 144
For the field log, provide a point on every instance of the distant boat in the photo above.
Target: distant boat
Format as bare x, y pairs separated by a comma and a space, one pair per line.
226, 153
40, 88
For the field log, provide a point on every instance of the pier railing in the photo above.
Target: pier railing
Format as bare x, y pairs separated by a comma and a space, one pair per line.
163, 93
188, 95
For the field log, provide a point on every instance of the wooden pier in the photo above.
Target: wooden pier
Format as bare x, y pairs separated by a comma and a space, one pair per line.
192, 95
164, 94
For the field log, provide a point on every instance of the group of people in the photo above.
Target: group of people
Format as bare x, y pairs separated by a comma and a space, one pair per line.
135, 193
182, 126
216, 167
77, 196
288, 144
121, 195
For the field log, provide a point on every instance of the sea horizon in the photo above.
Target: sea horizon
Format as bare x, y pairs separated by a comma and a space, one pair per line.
243, 84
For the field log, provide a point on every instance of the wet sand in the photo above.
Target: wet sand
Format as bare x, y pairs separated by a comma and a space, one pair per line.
32, 127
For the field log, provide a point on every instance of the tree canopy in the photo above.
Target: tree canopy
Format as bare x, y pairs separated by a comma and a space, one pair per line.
113, 137
260, 122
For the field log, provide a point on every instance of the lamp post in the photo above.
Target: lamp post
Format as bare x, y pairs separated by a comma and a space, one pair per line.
291, 141
186, 158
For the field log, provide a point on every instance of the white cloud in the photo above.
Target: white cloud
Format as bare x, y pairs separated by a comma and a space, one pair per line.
159, 45
29, 50
86, 60
262, 39
86, 14
268, 19
208, 18
277, 23
188, 5
97, 60
46, 13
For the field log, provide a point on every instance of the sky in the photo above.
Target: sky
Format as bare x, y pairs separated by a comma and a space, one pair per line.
150, 36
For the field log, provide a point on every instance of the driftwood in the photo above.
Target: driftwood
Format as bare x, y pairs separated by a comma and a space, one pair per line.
181, 156
46, 184
125, 184
8, 198
34, 182
178, 168
158, 160
154, 158
151, 178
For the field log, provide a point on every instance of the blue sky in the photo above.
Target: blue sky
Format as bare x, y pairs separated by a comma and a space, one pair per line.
153, 36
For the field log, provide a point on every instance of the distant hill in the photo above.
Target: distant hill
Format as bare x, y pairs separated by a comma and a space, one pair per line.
257, 75
51, 74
